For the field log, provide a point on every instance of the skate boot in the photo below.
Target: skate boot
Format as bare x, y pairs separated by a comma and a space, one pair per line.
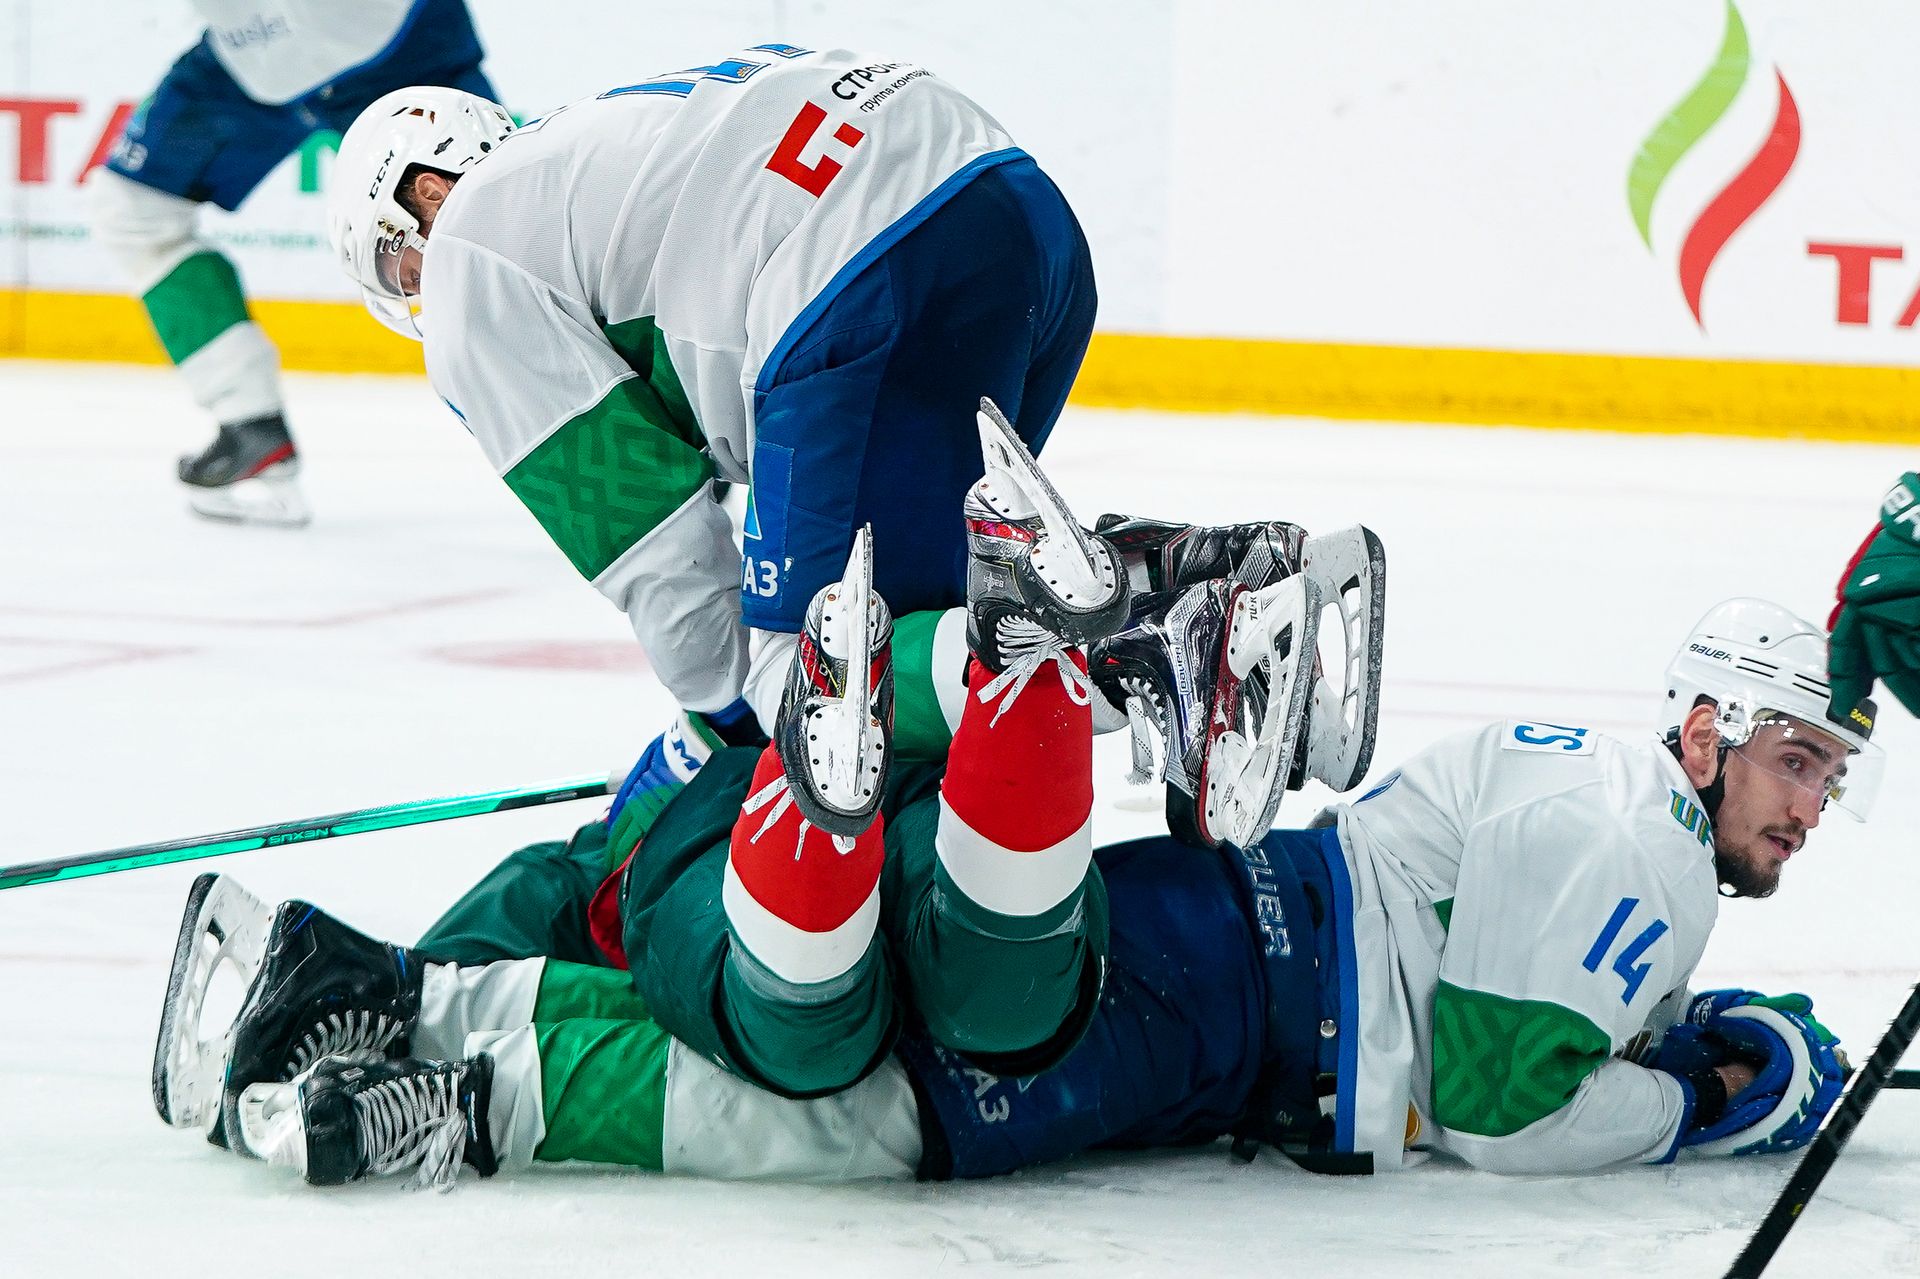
835, 728
1349, 568
343, 1120
322, 990
1037, 583
224, 925
249, 474
1215, 679
1164, 556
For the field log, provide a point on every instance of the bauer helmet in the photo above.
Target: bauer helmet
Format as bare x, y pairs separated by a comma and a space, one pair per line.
438, 128
1762, 665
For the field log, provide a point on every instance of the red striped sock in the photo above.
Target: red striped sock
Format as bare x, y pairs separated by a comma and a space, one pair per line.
806, 910
1016, 805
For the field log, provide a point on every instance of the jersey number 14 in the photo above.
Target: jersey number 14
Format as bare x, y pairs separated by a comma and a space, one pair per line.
1626, 963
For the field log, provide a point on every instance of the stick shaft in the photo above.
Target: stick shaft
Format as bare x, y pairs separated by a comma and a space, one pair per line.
1830, 1140
415, 813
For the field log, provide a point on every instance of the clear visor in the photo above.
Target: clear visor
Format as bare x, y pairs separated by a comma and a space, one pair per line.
393, 295
1815, 762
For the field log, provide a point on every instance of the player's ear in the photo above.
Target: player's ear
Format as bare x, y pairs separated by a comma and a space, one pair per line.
430, 191
1700, 744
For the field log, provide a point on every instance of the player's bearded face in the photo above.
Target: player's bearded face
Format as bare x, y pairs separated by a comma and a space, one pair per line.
1776, 785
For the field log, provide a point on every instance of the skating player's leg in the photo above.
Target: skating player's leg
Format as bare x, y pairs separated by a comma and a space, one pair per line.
199, 140
1002, 930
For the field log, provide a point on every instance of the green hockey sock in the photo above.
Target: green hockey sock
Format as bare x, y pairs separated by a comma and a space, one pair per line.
197, 301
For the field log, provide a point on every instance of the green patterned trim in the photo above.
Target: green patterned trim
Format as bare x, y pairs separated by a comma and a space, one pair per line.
604, 480
1501, 1064
641, 344
919, 725
197, 301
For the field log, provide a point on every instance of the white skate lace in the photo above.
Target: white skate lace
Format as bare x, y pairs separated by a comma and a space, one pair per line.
778, 793
359, 1035
1026, 646
415, 1119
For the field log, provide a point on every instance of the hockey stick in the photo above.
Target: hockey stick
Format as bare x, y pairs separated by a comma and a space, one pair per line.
1828, 1142
296, 832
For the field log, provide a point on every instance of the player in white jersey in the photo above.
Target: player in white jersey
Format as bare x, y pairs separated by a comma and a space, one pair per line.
265, 76
1487, 956
793, 270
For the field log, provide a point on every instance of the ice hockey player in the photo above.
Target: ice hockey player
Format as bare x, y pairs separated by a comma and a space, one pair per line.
789, 269
264, 76
1487, 955
1876, 619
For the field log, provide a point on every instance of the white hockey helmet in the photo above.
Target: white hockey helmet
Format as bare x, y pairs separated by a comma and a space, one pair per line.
1762, 665
440, 128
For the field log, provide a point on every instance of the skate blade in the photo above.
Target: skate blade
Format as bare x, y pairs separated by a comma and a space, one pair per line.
1080, 571
222, 924
1350, 568
856, 584
1274, 629
272, 499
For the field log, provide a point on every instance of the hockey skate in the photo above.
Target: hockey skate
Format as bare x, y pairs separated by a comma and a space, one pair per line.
835, 728
1165, 556
322, 990
224, 925
343, 1120
249, 474
1216, 677
1349, 569
1037, 583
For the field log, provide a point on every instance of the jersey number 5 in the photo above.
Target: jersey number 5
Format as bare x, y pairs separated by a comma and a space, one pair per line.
811, 178
1625, 963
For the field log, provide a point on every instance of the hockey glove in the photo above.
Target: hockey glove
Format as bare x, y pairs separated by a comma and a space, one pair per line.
670, 760
1797, 1079
1876, 624
1688, 1046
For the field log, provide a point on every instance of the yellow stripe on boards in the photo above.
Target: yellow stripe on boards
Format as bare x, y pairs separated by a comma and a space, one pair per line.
321, 337
1210, 375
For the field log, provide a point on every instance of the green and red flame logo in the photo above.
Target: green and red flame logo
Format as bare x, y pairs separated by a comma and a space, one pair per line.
1737, 201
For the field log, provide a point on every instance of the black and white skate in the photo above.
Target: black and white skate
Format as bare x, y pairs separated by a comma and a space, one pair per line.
1347, 566
223, 926
1219, 674
1037, 583
1161, 555
835, 728
343, 1120
322, 990
249, 474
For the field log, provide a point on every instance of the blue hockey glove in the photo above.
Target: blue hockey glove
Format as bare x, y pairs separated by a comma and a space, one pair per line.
1688, 1046
670, 760
1708, 1004
1797, 1079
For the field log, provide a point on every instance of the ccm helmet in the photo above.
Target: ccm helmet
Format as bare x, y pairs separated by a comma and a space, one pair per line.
436, 127
1760, 664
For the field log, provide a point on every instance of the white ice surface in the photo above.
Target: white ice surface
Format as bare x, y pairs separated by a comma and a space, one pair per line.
162, 676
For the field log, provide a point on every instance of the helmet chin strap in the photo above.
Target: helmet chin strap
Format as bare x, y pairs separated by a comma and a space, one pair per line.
1711, 794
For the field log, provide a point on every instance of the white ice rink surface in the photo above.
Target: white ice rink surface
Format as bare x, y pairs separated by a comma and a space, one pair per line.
162, 676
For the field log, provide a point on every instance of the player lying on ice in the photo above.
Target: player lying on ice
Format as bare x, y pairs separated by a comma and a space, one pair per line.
1486, 955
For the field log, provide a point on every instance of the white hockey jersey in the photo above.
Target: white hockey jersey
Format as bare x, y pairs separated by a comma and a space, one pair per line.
601, 293
1527, 899
278, 50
